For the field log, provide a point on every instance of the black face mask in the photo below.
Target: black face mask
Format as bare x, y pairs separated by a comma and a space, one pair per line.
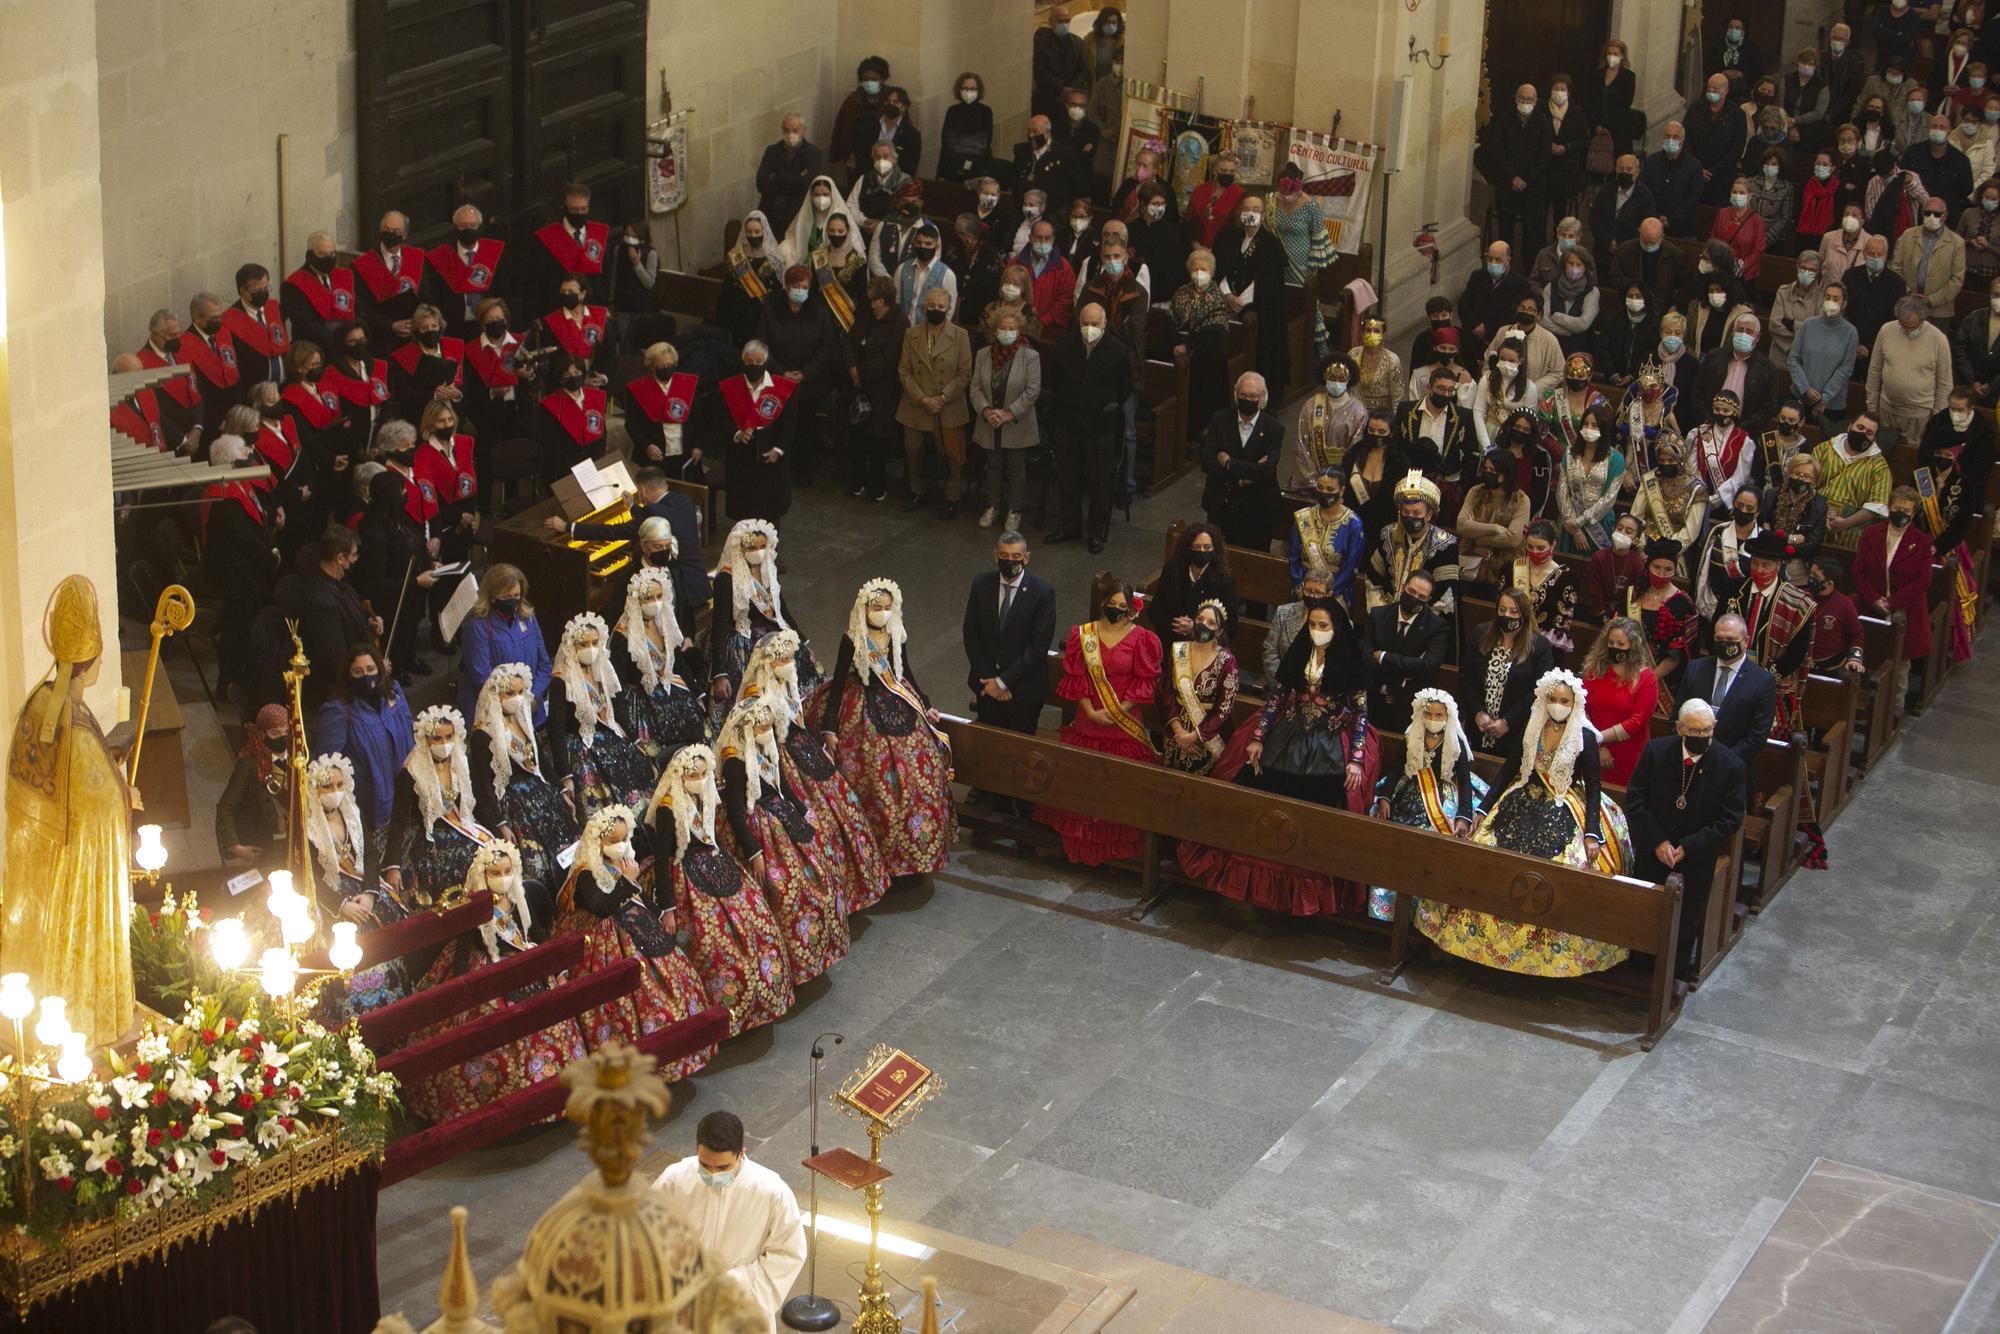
495, 329
1409, 603
571, 300
836, 239
1329, 500
1787, 428
926, 253
1489, 479
664, 374
572, 382
430, 337
1798, 485
312, 373
1509, 623
1010, 570
1114, 615
1526, 321
1200, 560
892, 112
210, 327
322, 263
1728, 651
259, 297
1246, 407
1669, 470
505, 606
1696, 745
363, 684
1440, 400
576, 221
659, 559
753, 240
753, 369
1412, 524
172, 345
1225, 179
443, 434
389, 240
271, 412
465, 236
1900, 518
1626, 180
1744, 518
1578, 384
1038, 142
357, 350
933, 316
1618, 654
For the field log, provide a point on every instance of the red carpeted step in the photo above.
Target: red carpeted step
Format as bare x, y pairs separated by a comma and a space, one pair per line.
475, 1130
392, 1025
475, 1037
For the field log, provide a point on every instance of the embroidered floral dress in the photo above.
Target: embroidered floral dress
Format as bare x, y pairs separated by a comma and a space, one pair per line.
892, 758
801, 882
1201, 701
836, 809
733, 939
619, 923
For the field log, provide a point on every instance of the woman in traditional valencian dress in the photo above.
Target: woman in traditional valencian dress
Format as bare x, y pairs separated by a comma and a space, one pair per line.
1312, 742
649, 652
591, 753
748, 605
1551, 585
348, 884
883, 734
733, 940
771, 832
1111, 668
810, 770
605, 902
1201, 693
513, 782
1327, 537
480, 1080
1436, 789
433, 832
1672, 503
1549, 805
1646, 410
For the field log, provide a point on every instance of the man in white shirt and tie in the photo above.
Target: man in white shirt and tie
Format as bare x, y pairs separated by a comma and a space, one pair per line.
746, 1216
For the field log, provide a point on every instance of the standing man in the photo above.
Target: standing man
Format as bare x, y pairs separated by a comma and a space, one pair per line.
1674, 178
466, 270
1010, 623
1930, 259
1716, 134
572, 246
1053, 281
1854, 479
1405, 643
1685, 804
1515, 158
392, 284
257, 326
318, 296
1240, 451
746, 1216
1087, 380
212, 352
1041, 163
1493, 293
786, 172
1909, 373
809, 348
1743, 695
1058, 64
760, 476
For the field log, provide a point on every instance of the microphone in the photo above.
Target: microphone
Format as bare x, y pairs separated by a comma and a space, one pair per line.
809, 1310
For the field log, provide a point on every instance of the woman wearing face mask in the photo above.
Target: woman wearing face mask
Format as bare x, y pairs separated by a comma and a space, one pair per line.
1250, 269
754, 263
882, 733
878, 353
1550, 804
1819, 205
809, 226
606, 901
1796, 511
444, 464
1077, 238
1147, 169
1435, 789
1496, 681
515, 777
1592, 473
1772, 197
592, 754
1894, 197
1295, 218
428, 367
571, 422
1561, 406
771, 832
1627, 335
733, 939
1550, 584
1648, 407
1016, 298
1570, 304
936, 368
748, 604
1671, 500
1607, 99
1327, 537
349, 883
1331, 420
1505, 388
1156, 241
1212, 206
1312, 742
1665, 612
1979, 224
1006, 382
965, 145
310, 414
497, 383
366, 718
433, 832
1378, 372
1793, 304
1739, 227
1671, 359
1201, 687
1715, 313
1494, 515
655, 662
250, 815
361, 383
501, 628
580, 330
1841, 248
1111, 668
1198, 573
1621, 694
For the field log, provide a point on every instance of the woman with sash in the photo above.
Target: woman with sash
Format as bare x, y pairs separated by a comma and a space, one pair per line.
1201, 690
429, 361
884, 737
1378, 372
512, 787
1646, 410
811, 224
1311, 742
1436, 790
771, 832
648, 651
605, 900
570, 425
591, 751
496, 392
1666, 613
1592, 476
747, 605
733, 940
433, 833
1331, 420
1672, 502
349, 884
481, 1080
753, 265
362, 385
1111, 668
1954, 460
1327, 537
1551, 806
1549, 584
809, 768
1559, 411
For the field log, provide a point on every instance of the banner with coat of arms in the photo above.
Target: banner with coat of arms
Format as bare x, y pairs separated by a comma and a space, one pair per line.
1337, 176
667, 150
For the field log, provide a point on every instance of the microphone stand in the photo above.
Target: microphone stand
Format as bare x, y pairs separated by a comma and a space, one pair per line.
809, 1310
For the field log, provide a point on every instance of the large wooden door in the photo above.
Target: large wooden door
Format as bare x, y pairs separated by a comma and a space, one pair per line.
1528, 40
498, 103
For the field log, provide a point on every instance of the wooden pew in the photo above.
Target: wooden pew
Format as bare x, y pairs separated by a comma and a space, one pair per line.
687, 294
1880, 722
1170, 806
1830, 706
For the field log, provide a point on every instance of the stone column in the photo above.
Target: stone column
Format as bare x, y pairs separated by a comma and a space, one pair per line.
1652, 29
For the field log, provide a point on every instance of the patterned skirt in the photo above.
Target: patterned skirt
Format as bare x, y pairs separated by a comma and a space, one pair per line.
666, 720
669, 989
613, 771
438, 865
804, 891
904, 783
842, 822
541, 823
1538, 826
376, 985
514, 1066
737, 948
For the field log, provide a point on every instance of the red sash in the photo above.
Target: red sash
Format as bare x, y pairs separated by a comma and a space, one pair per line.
384, 285
449, 349
670, 403
366, 393
577, 340
266, 340
752, 414
239, 492
278, 449
453, 479
491, 366
465, 279
215, 364
585, 422
181, 389
574, 258
337, 304
139, 418
420, 497
318, 406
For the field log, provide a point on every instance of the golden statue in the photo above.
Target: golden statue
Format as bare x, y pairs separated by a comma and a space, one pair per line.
68, 906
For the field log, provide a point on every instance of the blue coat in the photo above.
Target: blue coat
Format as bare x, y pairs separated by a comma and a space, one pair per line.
486, 642
377, 735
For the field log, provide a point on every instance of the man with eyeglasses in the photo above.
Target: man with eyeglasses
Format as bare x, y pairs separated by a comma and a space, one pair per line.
1685, 803
1931, 259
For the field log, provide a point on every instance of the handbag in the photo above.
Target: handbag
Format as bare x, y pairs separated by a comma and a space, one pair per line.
858, 409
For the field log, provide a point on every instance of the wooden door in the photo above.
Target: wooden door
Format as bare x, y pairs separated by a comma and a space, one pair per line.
1529, 40
498, 103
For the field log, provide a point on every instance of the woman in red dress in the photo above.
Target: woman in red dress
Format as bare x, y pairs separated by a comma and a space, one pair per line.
1111, 668
884, 738
605, 902
1620, 694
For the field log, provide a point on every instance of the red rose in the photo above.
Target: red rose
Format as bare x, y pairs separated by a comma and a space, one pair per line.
114, 1167
294, 1092
176, 1129
153, 917
208, 1036
249, 1055
247, 1101
134, 1186
66, 1184
143, 1070
270, 1072
270, 1089
101, 1113
159, 1097
218, 1157
154, 1136
229, 1024
288, 1123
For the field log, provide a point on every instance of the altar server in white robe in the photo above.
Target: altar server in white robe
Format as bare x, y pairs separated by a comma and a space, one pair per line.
747, 1217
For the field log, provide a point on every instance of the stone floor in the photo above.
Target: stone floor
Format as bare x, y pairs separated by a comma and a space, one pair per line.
1233, 1095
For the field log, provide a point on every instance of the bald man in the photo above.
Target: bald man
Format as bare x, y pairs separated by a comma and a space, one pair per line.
1673, 175
394, 281
1086, 379
787, 172
1058, 63
1716, 134
318, 296
1616, 213
1648, 261
1042, 162
1242, 449
1514, 155
466, 269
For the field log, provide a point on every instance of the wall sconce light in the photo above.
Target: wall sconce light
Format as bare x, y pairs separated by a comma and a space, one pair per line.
1443, 51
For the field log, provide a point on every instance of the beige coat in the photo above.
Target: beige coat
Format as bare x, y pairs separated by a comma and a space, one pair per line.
934, 361
1484, 543
1945, 275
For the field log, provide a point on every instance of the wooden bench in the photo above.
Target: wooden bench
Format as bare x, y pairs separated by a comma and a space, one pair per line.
1830, 706
1169, 806
692, 294
1880, 719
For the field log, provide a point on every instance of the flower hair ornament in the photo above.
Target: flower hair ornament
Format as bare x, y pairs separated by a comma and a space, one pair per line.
588, 687
1561, 761
590, 846
490, 717
858, 627
512, 920
327, 773
743, 577
739, 740
694, 813
655, 587
773, 673
1450, 746
421, 765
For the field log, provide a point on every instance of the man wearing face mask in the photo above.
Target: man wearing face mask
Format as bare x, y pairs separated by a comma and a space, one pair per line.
746, 1216
1415, 542
208, 347
890, 125
250, 818
1892, 573
1647, 261
465, 269
1212, 206
809, 348
1939, 163
1615, 214
1842, 69
1086, 379
1854, 479
1010, 623
1034, 207
1716, 137
871, 79
430, 367
1405, 644
1836, 641
394, 281
1975, 344
1053, 282
1514, 155
1493, 293
1909, 374
572, 246
319, 294
788, 166
1930, 258
1685, 802
331, 617
1742, 693
1735, 367
257, 326
1610, 573
923, 271
1058, 63
1240, 453
1873, 289
1674, 175
1044, 162
1777, 619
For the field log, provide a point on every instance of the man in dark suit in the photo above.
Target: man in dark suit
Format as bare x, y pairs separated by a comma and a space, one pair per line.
1085, 380
1044, 163
652, 501
1660, 270
1405, 645
1240, 451
1616, 213
1685, 802
1743, 694
1010, 623
1514, 155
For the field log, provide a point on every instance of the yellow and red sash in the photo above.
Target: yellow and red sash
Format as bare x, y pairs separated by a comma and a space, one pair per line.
1191, 705
837, 297
744, 270
1107, 698
1428, 789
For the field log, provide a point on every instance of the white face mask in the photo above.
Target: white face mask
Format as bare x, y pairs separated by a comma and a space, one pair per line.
441, 750
1091, 332
1716, 299
1832, 308
1960, 420
1559, 713
515, 703
330, 801
821, 203
1591, 434
1850, 225
878, 617
618, 852
1613, 60
754, 556
1011, 291
1621, 541
1636, 305
1250, 221
1322, 637
1435, 725
1202, 278
968, 95
1076, 113
587, 655
1154, 212
1560, 97
1079, 225
1509, 369
1032, 212
882, 167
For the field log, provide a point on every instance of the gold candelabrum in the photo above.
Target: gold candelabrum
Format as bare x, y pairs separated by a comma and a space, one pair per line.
28, 1081
875, 1315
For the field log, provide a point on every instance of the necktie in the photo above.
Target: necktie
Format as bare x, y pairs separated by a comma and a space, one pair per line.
1006, 601
396, 262
1722, 684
